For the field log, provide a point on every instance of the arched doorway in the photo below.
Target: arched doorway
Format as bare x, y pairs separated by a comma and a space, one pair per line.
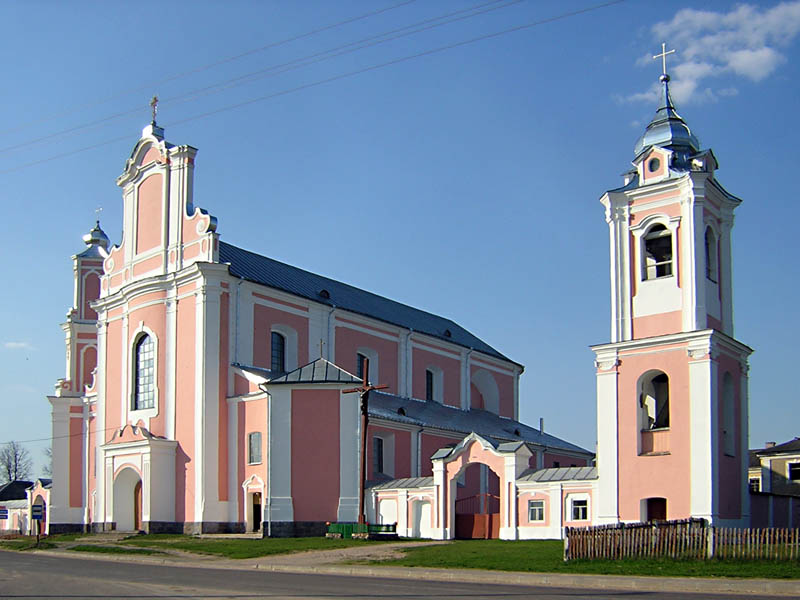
127, 503
39, 526
477, 503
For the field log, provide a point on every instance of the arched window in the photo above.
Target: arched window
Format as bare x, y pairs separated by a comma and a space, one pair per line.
657, 252
728, 415
654, 402
711, 255
145, 385
278, 350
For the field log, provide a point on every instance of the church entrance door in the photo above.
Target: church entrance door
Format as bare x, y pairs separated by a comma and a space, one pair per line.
127, 500
257, 519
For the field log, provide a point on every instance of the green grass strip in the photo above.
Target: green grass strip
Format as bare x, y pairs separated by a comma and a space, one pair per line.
112, 549
545, 556
241, 548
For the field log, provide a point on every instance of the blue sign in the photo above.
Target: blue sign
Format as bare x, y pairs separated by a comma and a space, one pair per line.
37, 511
3, 514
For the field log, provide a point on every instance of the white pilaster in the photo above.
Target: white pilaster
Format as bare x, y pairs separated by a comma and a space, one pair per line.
349, 420
281, 454
702, 436
607, 431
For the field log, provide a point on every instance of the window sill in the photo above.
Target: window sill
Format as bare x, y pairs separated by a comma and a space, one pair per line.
665, 453
250, 464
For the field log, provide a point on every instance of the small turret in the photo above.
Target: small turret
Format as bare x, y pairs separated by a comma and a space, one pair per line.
97, 242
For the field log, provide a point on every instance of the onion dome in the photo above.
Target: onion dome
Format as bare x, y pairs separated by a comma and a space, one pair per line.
667, 129
97, 242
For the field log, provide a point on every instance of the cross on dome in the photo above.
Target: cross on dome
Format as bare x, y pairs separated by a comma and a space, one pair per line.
663, 57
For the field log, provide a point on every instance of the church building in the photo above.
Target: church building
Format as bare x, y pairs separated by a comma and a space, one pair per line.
209, 388
206, 384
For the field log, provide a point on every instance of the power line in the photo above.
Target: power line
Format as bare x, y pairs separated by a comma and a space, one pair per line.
181, 75
336, 78
279, 69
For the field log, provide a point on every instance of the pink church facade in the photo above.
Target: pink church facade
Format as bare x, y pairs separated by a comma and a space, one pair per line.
205, 383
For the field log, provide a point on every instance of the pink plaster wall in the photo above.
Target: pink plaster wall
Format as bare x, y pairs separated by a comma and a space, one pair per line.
152, 155
429, 444
662, 476
522, 509
113, 381
264, 317
315, 465
451, 375
660, 324
402, 451
91, 292
148, 214
145, 266
564, 461
184, 409
671, 210
505, 388
76, 461
349, 340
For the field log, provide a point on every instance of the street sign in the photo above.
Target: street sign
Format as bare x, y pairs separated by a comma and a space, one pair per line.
37, 512
3, 514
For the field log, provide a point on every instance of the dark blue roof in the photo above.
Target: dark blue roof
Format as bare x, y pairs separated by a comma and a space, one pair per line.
266, 271
486, 424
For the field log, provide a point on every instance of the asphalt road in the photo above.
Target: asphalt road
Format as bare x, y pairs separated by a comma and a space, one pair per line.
28, 575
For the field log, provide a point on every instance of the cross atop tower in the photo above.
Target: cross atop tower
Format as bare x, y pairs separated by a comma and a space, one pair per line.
154, 108
663, 57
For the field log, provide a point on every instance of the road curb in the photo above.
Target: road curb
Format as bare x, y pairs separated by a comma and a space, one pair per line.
695, 585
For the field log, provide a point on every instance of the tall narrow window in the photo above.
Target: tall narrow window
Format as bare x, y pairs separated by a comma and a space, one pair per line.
711, 255
360, 365
144, 396
377, 455
254, 448
278, 345
657, 252
429, 385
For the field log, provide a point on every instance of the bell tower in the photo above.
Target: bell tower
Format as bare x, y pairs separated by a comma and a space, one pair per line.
672, 383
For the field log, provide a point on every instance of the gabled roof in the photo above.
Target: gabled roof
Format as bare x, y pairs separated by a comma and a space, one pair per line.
266, 271
318, 371
14, 490
494, 428
787, 447
559, 474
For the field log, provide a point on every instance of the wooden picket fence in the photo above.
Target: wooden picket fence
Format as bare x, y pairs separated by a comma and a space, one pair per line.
687, 538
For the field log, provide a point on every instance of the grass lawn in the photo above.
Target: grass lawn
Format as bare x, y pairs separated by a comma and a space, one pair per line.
240, 548
545, 556
112, 549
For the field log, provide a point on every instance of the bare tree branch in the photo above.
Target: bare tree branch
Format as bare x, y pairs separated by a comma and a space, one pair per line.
15, 462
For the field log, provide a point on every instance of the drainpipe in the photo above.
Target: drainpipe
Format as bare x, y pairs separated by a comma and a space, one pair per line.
329, 333
468, 382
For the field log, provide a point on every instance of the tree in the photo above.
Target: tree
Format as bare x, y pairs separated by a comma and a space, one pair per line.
48, 464
15, 462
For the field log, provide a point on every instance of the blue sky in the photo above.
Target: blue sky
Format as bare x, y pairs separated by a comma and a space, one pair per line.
461, 177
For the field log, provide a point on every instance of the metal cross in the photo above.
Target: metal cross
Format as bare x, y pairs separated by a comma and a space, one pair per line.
154, 107
663, 57
364, 391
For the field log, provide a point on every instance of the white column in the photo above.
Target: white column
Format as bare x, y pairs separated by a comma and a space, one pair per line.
281, 454
100, 419
508, 496
170, 351
440, 499
607, 430
402, 514
349, 423
702, 411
